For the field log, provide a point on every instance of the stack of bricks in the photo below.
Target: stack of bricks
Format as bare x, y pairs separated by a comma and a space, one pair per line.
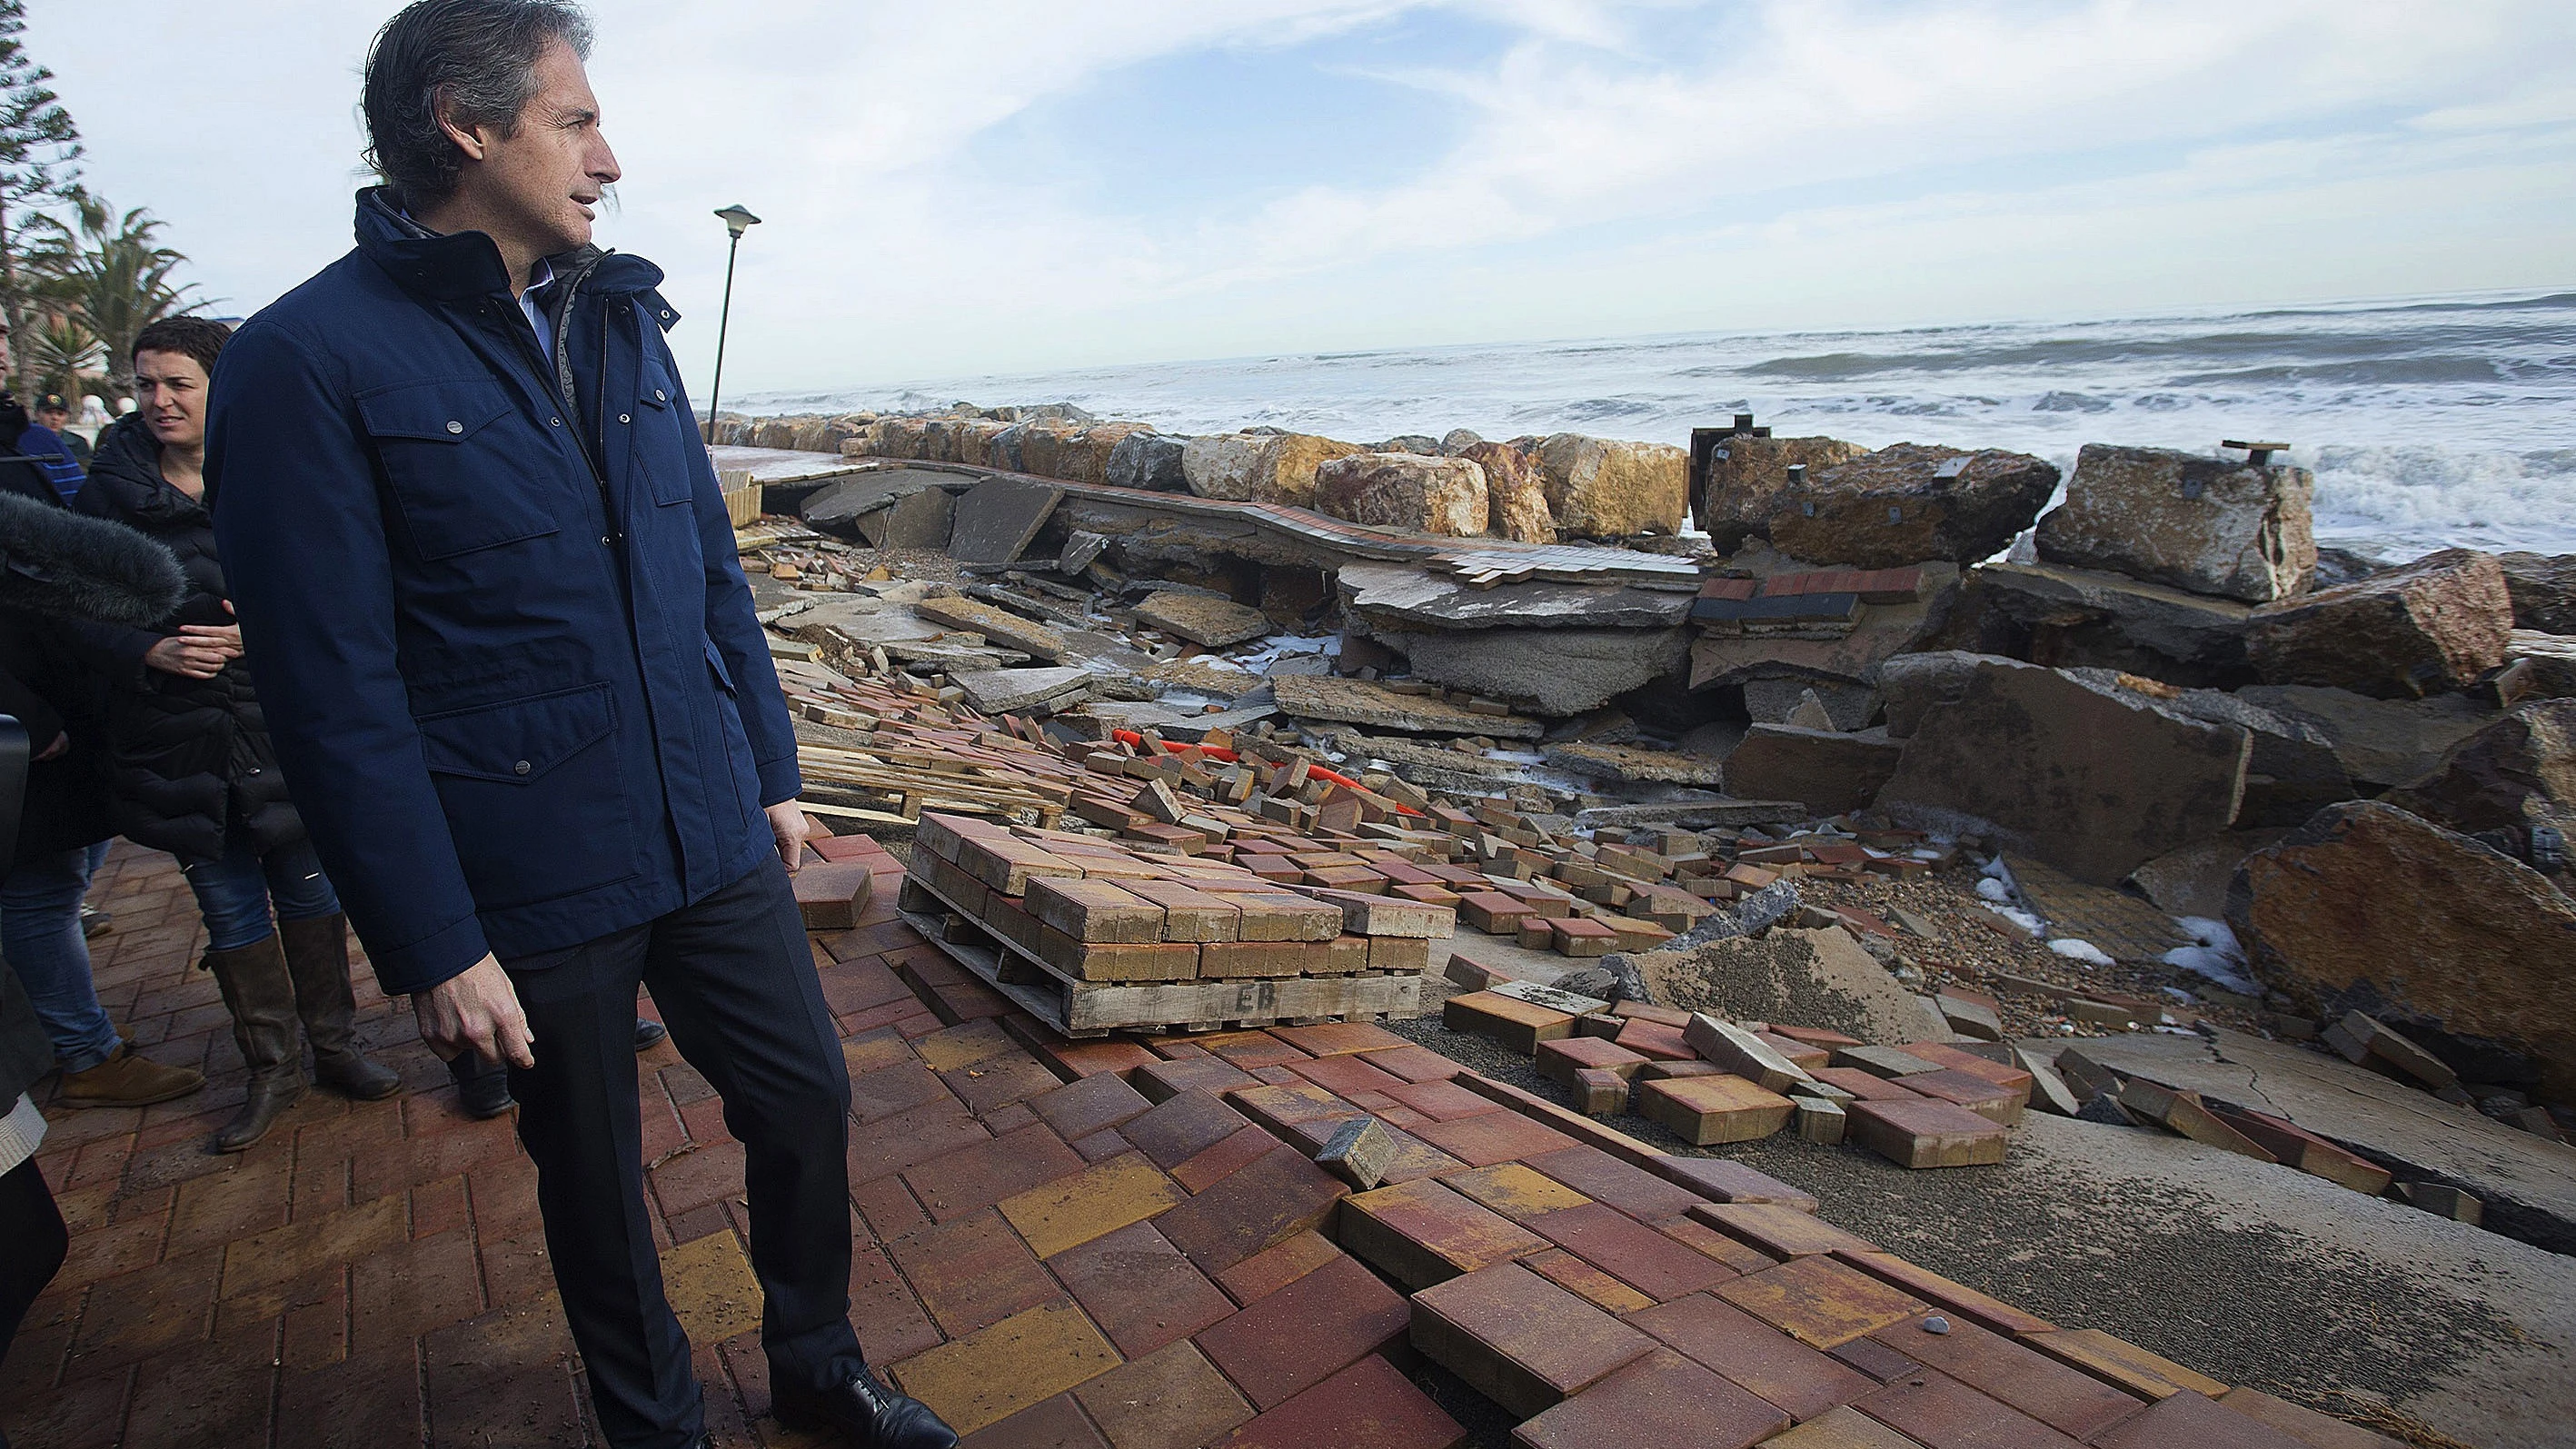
1710, 1082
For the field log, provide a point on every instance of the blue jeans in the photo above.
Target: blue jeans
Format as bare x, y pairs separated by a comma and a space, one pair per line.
40, 933
234, 893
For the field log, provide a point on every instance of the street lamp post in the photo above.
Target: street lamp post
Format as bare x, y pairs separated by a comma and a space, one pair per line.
737, 220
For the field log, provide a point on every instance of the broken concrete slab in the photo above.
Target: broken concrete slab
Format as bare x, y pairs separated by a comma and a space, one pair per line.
1554, 672
2434, 625
1387, 596
1203, 619
1820, 978
2367, 908
998, 519
1696, 812
1911, 502
1829, 772
995, 623
2070, 616
1884, 632
2294, 770
1011, 691
2380, 742
837, 506
2209, 525
1353, 701
2516, 772
1635, 767
2094, 780
924, 519
2193, 880
1846, 706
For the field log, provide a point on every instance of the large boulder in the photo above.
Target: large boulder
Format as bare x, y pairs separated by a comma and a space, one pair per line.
1259, 467
1148, 460
2543, 590
2091, 777
1552, 672
1515, 489
1411, 491
1597, 488
1046, 447
1741, 491
2515, 773
899, 437
1084, 457
2294, 770
1829, 772
960, 440
2436, 624
1912, 502
2086, 618
2369, 908
2209, 525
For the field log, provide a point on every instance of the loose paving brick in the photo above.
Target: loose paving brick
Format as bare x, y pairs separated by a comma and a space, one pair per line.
1183, 1126
2071, 1402
1443, 1100
1101, 1198
1259, 1204
1802, 1381
992, 1374
1281, 1343
1661, 1399
1818, 1301
1720, 1180
970, 1272
1413, 1063
1139, 1289
1496, 1137
1926, 1133
1734, 1253
1783, 1232
1515, 1190
1420, 1233
1166, 1079
1719, 1107
1632, 1252
1366, 1406
1170, 1399
1519, 1339
2118, 1362
1629, 1188
1208, 1168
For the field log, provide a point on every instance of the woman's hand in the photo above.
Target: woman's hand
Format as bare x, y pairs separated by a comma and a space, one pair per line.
197, 651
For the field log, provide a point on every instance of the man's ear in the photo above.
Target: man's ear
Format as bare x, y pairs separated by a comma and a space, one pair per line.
468, 139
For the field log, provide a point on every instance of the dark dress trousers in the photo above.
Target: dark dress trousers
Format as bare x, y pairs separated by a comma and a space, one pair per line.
509, 664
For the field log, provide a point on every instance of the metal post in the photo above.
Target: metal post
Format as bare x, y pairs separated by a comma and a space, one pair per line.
723, 321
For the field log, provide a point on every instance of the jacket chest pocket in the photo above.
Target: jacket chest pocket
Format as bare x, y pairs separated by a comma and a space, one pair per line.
657, 416
448, 457
534, 796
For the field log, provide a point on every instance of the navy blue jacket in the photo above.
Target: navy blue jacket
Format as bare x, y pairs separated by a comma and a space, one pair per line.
504, 646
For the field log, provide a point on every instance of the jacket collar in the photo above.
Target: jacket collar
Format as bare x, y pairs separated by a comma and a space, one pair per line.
128, 458
464, 266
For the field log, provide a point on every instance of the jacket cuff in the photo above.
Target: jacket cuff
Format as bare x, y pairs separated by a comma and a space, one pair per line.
441, 956
780, 782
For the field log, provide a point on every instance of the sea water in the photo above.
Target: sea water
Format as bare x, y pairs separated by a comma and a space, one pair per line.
2430, 422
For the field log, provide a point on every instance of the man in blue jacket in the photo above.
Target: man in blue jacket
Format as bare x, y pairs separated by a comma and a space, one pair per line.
509, 663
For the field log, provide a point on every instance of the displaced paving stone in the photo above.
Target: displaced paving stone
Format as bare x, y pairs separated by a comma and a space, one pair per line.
2073, 1403
1169, 1399
1733, 1049
1078, 1109
1306, 1331
1661, 1399
1514, 1024
1956, 1299
1911, 502
2122, 1364
998, 518
970, 1273
1139, 1289
1519, 1339
2433, 625
2095, 780
1202, 619
1818, 1301
1720, 1107
2367, 908
1646, 1260
1353, 701
1801, 1381
1497, 1137
990, 1375
1719, 1180
1254, 1207
1272, 1269
1359, 1153
1420, 1233
1369, 1405
1925, 1133
1829, 772
1586, 1281
2210, 525
1629, 1188
1781, 1231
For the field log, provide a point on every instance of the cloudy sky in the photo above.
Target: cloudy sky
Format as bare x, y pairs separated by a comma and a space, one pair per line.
976, 186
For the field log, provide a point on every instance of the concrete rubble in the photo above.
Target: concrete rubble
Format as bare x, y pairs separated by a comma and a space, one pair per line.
1834, 784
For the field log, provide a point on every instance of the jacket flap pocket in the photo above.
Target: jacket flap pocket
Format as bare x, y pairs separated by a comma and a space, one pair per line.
715, 662
443, 410
654, 387
518, 741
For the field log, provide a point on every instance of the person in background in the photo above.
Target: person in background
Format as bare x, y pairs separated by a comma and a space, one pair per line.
47, 443
511, 663
191, 770
25, 476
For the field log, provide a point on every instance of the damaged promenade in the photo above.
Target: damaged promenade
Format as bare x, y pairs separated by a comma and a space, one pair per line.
1552, 942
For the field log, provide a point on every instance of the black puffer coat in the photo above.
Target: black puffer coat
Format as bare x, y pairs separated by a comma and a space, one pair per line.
188, 759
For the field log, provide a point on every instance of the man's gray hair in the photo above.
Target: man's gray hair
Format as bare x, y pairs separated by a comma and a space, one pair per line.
478, 58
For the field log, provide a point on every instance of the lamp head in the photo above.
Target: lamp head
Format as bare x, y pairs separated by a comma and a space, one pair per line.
737, 219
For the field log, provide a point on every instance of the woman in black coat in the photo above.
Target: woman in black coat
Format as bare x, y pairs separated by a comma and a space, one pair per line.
190, 767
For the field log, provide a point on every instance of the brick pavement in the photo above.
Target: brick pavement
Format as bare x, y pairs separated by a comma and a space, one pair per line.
1058, 1244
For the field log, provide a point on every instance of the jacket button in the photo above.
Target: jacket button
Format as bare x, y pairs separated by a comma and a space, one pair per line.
660, 396
454, 426
554, 422
520, 768
608, 540
623, 418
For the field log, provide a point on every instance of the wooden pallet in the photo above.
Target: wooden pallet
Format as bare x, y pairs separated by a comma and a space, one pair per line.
1095, 1008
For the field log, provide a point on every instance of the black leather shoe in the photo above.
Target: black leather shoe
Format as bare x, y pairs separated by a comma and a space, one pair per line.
866, 1413
482, 1088
648, 1033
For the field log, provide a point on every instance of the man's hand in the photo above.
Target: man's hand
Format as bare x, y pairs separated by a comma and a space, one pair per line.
787, 822
476, 1012
61, 746
197, 651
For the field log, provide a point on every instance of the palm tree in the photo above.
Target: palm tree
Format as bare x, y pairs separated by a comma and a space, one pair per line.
114, 278
63, 353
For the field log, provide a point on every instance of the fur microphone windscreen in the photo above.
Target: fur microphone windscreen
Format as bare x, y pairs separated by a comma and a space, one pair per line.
59, 563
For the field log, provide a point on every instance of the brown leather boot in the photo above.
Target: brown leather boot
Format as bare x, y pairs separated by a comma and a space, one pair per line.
126, 1080
317, 956
261, 996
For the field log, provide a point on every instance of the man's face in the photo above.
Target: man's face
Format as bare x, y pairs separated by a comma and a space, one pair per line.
170, 393
548, 174
54, 417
